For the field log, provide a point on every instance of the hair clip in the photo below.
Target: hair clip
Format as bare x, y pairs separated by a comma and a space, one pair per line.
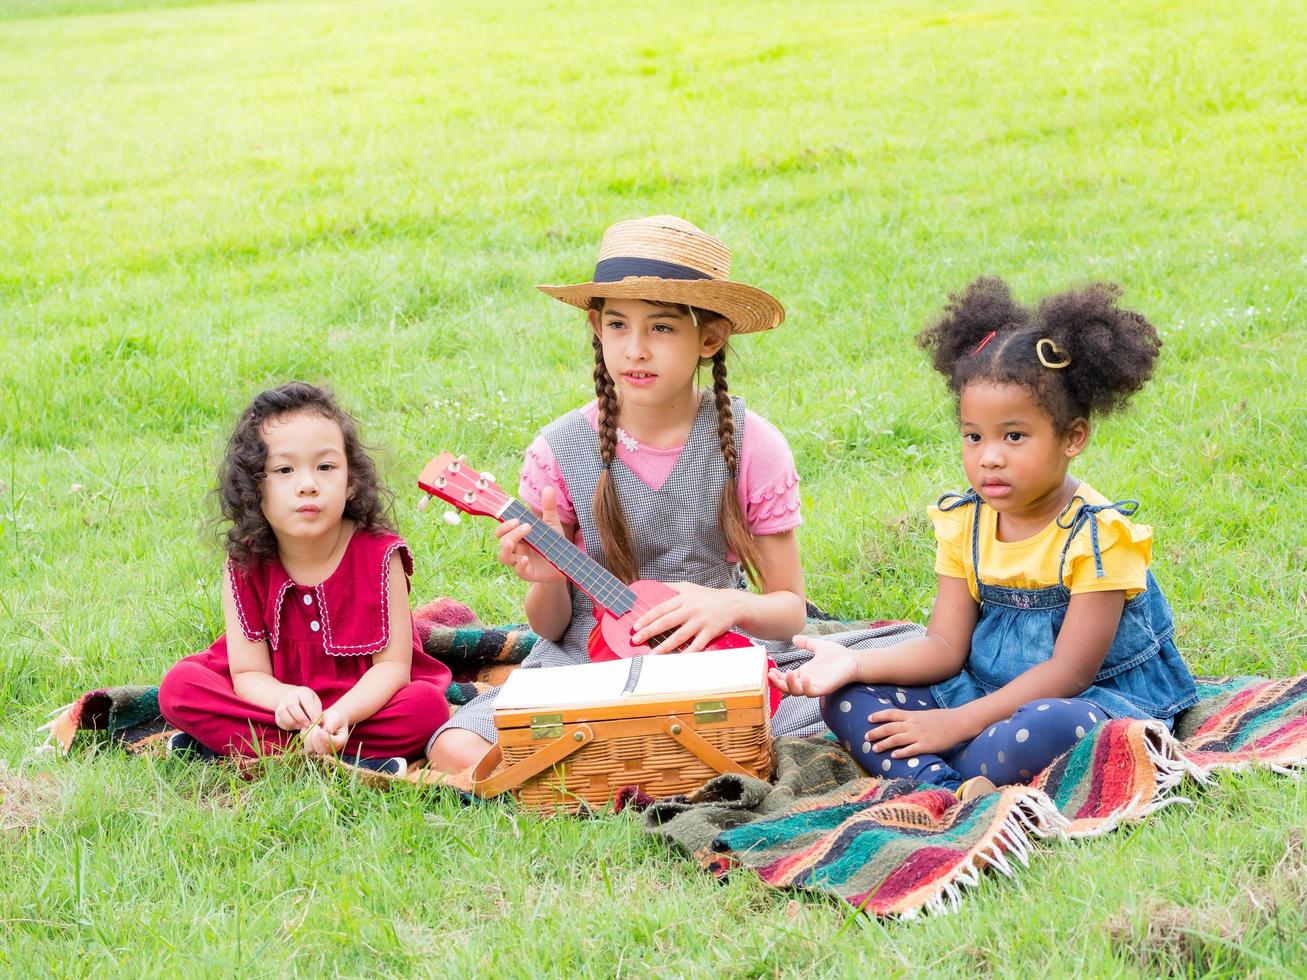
981, 346
1055, 351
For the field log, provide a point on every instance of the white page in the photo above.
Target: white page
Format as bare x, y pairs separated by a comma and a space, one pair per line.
704, 672
562, 687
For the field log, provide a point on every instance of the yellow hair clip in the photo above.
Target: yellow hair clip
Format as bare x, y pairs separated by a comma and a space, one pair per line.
1056, 351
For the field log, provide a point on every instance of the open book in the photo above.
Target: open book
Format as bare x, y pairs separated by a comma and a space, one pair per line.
652, 678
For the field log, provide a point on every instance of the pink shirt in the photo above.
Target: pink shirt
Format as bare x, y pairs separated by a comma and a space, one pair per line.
768, 483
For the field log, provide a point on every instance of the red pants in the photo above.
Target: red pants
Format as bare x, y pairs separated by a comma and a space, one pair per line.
202, 703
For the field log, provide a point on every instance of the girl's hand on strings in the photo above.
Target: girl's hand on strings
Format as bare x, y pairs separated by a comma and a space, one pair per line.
298, 708
514, 552
831, 667
912, 733
695, 617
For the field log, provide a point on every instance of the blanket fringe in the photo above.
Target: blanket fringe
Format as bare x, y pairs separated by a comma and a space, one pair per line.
1170, 767
1293, 768
49, 745
55, 717
1033, 814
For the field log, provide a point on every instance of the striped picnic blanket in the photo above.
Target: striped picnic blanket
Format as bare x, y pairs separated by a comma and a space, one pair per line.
895, 847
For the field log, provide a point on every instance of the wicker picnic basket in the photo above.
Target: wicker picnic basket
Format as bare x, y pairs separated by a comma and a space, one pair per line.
567, 758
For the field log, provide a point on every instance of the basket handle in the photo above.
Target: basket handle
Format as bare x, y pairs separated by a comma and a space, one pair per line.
701, 747
574, 738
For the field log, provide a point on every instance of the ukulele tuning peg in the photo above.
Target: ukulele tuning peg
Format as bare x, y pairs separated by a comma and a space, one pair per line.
423, 503
451, 517
487, 478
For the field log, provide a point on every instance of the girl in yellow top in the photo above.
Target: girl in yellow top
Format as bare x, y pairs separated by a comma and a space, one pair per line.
1047, 619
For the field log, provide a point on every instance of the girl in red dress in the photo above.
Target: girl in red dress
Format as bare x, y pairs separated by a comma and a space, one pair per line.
320, 647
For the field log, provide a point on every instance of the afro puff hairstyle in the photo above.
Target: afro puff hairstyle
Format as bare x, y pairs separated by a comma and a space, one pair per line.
1110, 351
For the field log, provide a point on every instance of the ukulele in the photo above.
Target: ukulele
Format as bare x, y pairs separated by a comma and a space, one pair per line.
617, 605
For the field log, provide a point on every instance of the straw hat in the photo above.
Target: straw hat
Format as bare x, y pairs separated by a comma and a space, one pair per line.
664, 259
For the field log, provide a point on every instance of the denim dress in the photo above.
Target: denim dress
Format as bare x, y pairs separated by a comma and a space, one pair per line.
1142, 676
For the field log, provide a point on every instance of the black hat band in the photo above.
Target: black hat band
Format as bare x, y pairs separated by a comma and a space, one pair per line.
623, 266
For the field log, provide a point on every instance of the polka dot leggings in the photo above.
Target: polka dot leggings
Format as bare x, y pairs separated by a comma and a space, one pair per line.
1008, 752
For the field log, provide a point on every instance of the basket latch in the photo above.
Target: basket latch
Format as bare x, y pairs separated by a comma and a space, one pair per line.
707, 712
546, 726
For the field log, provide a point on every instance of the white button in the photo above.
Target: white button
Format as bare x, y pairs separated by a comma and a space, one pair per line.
308, 599
314, 626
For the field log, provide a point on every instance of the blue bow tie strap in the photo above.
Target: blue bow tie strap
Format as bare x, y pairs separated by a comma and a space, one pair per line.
952, 501
1087, 513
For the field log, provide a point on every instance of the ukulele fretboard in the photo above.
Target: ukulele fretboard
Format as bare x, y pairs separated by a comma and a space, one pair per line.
595, 580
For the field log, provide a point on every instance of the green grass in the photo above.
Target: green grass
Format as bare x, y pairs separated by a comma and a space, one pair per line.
201, 200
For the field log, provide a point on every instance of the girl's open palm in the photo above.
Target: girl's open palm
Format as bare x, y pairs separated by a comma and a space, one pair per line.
831, 667
514, 552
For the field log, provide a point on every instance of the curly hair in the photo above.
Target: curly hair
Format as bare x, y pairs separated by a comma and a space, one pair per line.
250, 538
1110, 352
614, 533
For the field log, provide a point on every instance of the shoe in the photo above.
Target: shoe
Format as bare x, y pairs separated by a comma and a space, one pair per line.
395, 766
181, 744
975, 786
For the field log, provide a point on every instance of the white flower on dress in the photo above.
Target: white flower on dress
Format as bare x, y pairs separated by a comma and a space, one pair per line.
627, 440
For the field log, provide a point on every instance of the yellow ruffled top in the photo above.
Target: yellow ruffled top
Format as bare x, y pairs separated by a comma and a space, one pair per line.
1126, 550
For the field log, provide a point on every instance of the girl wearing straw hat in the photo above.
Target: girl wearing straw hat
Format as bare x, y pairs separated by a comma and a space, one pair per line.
658, 479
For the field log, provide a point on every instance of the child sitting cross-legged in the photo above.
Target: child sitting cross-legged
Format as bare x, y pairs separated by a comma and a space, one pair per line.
320, 652
1047, 619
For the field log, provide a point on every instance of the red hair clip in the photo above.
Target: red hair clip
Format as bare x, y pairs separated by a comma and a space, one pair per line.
981, 346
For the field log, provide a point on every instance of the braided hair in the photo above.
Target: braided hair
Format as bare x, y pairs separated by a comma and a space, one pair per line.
729, 515
1077, 352
614, 532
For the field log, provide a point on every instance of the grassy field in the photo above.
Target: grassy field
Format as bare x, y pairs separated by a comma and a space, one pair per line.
200, 200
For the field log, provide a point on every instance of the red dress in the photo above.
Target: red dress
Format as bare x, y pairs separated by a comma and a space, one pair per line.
321, 637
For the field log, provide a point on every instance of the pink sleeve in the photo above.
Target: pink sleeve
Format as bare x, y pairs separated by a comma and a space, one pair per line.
540, 470
768, 483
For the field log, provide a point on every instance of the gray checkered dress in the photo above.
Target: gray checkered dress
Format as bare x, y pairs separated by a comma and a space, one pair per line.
678, 538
